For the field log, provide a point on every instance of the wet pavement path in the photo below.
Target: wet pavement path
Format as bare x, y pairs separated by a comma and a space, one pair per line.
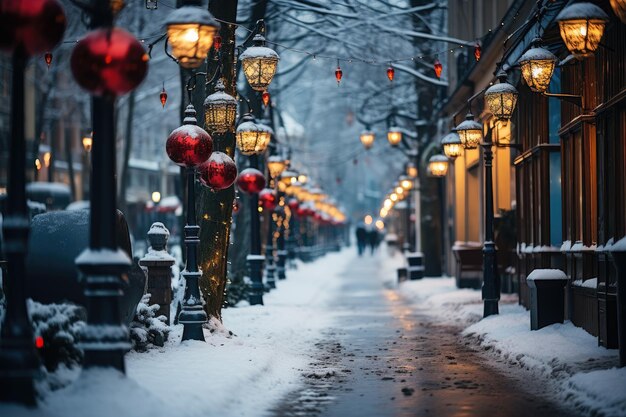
385, 358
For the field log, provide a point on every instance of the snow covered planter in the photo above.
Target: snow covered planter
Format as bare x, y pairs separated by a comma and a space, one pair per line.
547, 298
56, 327
146, 329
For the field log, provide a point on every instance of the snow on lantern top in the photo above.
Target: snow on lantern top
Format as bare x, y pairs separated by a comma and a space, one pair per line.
220, 110
190, 31
259, 64
582, 26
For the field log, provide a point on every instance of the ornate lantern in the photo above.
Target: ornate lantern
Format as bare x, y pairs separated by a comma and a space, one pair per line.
438, 166
367, 138
582, 26
452, 145
405, 182
190, 32
501, 98
394, 136
537, 66
276, 165
252, 139
470, 132
220, 110
411, 170
259, 64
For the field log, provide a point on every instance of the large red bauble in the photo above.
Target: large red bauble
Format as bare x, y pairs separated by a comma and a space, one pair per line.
218, 172
35, 25
293, 204
268, 199
109, 62
189, 146
251, 181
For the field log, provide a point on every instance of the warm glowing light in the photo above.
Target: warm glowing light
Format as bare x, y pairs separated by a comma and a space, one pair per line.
393, 197
394, 136
438, 165
406, 183
537, 65
368, 219
380, 225
302, 178
582, 27
470, 132
220, 110
411, 170
190, 32
388, 204
46, 159
452, 145
252, 138
367, 139
259, 64
38, 164
156, 197
276, 165
501, 98
88, 142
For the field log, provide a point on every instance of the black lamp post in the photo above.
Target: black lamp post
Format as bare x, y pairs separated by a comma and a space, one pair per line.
491, 280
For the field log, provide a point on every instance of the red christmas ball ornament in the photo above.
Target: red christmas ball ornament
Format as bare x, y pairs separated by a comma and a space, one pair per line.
266, 98
189, 145
217, 43
390, 73
478, 50
293, 204
251, 181
338, 74
437, 67
34, 25
163, 97
48, 58
109, 62
218, 172
268, 199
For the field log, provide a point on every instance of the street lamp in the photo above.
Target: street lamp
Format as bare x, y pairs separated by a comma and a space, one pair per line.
405, 182
582, 26
501, 98
537, 65
411, 170
88, 142
190, 32
156, 197
189, 146
452, 145
220, 110
438, 166
259, 64
28, 28
367, 138
394, 136
276, 165
470, 132
252, 138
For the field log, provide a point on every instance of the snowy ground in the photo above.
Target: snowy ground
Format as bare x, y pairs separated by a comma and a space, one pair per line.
241, 375
579, 371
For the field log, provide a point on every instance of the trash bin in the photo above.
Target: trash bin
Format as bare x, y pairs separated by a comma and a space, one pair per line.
547, 297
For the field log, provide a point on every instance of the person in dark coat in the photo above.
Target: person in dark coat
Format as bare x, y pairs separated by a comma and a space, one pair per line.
372, 239
361, 238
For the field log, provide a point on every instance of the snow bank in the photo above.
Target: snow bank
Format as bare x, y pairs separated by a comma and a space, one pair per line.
599, 390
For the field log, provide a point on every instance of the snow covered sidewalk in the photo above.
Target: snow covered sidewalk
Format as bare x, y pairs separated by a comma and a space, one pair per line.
580, 372
241, 375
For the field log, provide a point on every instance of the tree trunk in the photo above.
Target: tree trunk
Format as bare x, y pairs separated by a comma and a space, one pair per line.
216, 208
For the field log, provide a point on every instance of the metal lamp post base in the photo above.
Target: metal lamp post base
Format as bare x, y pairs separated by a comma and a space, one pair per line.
255, 269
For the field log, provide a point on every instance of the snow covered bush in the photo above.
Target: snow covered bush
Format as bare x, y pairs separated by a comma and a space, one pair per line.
58, 326
146, 329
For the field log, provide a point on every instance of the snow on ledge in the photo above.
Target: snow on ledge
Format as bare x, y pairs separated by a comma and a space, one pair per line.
546, 274
589, 283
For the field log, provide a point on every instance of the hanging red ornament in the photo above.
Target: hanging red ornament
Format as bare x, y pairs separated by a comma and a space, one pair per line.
39, 342
189, 145
266, 98
251, 181
163, 96
293, 204
438, 68
35, 25
48, 58
390, 73
338, 74
218, 172
217, 43
109, 62
477, 51
268, 199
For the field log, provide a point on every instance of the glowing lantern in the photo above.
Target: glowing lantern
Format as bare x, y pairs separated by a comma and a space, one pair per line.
501, 98
411, 170
265, 97
470, 132
394, 136
251, 139
259, 64
438, 166
367, 138
537, 66
452, 145
276, 165
405, 182
478, 50
390, 73
338, 74
220, 110
163, 96
190, 32
582, 26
